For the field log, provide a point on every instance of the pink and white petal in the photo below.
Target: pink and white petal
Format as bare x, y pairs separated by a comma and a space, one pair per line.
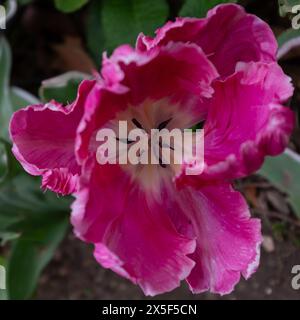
228, 34
228, 240
102, 105
176, 70
43, 140
179, 72
133, 236
180, 30
60, 181
101, 199
246, 120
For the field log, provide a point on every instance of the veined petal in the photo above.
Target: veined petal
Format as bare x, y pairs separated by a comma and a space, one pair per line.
228, 34
43, 141
228, 240
132, 235
246, 121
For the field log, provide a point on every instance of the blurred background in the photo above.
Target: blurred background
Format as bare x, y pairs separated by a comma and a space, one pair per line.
64, 40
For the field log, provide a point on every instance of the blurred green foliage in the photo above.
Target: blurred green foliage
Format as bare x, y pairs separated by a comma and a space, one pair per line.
62, 88
284, 172
69, 5
115, 22
196, 8
6, 109
33, 221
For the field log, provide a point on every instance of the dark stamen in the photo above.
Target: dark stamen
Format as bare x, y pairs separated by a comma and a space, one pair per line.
161, 146
163, 165
163, 124
124, 140
137, 124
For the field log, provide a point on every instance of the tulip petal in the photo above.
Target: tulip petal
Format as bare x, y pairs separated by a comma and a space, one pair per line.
246, 120
228, 240
133, 235
44, 136
227, 35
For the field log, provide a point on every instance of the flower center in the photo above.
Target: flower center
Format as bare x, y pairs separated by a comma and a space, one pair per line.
168, 120
155, 145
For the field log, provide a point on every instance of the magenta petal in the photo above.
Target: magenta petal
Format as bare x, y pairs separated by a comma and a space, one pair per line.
246, 120
228, 240
43, 141
179, 73
176, 70
133, 236
228, 34
60, 181
101, 105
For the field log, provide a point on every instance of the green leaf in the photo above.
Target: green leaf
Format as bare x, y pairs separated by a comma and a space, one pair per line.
9, 166
287, 35
94, 31
3, 293
30, 254
114, 22
38, 222
287, 41
11, 99
285, 6
62, 88
284, 172
21, 98
6, 109
24, 2
199, 8
3, 161
7, 237
68, 6
24, 205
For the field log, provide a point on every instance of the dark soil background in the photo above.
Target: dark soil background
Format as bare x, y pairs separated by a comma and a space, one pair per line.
74, 274
46, 43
